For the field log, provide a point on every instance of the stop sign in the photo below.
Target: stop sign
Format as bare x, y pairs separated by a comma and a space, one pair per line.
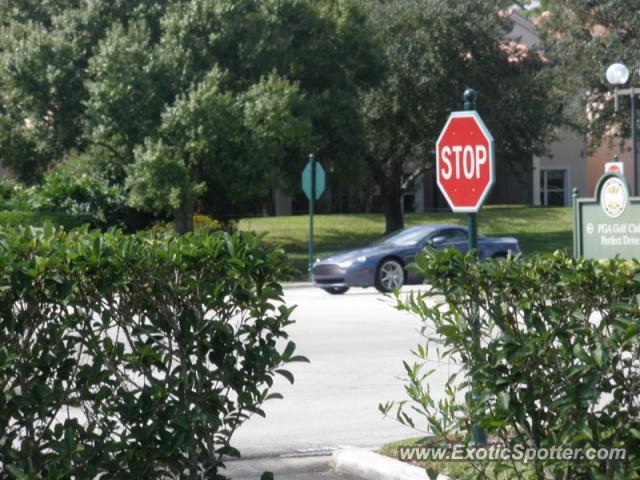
465, 161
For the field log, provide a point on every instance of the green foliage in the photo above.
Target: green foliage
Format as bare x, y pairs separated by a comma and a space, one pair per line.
100, 377
433, 51
200, 222
78, 188
133, 78
42, 93
88, 198
556, 361
125, 86
213, 141
7, 192
15, 218
160, 180
581, 40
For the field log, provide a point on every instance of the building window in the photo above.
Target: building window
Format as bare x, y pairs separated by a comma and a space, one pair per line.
553, 187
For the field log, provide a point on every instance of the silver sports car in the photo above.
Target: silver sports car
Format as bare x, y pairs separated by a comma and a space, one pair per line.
383, 264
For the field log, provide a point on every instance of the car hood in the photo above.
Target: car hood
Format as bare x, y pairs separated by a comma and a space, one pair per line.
370, 251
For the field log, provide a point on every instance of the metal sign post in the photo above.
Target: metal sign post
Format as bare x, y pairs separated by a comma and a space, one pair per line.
312, 201
465, 169
478, 433
470, 105
313, 185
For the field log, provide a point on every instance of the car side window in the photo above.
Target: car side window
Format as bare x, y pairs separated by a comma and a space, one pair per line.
453, 235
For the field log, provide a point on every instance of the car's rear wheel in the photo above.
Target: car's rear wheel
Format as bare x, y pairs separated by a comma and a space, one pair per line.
389, 275
336, 290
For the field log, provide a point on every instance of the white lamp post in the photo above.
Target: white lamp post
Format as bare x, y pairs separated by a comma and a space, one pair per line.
618, 75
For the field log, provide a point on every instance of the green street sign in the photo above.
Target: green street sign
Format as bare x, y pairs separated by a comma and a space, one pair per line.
313, 183
319, 177
608, 224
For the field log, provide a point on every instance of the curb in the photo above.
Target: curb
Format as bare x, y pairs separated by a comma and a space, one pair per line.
372, 466
291, 285
285, 466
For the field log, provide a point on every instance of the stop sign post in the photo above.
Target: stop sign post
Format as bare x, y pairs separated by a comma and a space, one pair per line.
465, 171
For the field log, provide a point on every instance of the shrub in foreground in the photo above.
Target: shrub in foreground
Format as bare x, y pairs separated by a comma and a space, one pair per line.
557, 362
134, 356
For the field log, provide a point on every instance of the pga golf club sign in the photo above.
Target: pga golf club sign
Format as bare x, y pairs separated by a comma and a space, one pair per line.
465, 161
609, 224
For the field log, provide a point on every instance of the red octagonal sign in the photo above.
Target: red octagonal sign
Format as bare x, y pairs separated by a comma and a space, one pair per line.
465, 161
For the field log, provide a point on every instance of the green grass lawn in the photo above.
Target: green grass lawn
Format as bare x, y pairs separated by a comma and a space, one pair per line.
538, 229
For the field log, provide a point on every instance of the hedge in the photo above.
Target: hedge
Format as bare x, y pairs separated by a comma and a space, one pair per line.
134, 356
555, 364
38, 219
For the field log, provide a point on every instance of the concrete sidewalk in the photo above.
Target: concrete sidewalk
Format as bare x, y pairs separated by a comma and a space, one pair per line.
285, 468
342, 464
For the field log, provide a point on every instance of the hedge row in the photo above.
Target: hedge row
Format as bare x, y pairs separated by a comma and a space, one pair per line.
38, 219
134, 356
556, 361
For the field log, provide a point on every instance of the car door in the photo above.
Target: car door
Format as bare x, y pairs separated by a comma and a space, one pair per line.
409, 256
452, 238
445, 238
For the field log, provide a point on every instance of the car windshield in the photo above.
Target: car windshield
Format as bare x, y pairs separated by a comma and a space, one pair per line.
406, 237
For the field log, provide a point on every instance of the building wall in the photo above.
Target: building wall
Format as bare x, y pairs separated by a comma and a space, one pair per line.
567, 153
523, 30
603, 154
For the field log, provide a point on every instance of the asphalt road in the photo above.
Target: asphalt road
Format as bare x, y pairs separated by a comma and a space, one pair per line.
356, 344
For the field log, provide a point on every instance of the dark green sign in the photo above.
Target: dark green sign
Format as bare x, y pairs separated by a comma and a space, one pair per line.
608, 224
313, 185
308, 176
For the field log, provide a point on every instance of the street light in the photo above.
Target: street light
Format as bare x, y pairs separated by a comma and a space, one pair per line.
618, 75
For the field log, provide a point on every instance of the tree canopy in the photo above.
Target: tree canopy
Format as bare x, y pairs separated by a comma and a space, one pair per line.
433, 51
231, 93
582, 39
207, 103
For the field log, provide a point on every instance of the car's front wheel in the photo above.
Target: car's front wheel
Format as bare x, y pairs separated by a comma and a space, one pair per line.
336, 290
389, 275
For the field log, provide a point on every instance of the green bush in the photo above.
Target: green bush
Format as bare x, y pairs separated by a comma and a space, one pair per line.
82, 186
6, 192
200, 222
38, 219
14, 195
87, 197
555, 364
134, 356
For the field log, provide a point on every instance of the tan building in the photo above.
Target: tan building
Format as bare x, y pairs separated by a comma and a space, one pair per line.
568, 165
608, 149
555, 175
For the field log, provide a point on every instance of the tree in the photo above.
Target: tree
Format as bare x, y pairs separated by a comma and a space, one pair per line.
119, 76
128, 87
211, 140
40, 92
433, 50
582, 39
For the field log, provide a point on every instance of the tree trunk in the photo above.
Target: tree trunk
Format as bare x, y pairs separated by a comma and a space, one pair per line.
183, 219
393, 216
